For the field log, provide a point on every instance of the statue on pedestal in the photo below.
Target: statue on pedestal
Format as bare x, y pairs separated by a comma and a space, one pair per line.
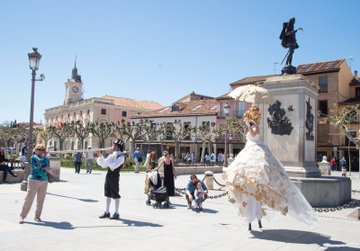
288, 40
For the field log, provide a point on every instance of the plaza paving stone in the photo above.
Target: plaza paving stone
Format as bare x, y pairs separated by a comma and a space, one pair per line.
72, 206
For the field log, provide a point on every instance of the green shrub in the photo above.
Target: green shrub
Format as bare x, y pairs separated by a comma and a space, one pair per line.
129, 165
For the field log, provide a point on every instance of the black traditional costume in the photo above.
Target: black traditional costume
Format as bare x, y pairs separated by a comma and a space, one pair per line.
114, 162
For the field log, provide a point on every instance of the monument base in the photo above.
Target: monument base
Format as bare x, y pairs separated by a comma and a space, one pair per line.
326, 191
301, 172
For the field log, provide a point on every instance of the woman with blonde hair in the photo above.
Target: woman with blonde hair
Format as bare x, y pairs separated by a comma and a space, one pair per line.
38, 182
256, 180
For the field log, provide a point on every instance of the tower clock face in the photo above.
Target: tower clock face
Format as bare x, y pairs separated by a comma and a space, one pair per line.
75, 89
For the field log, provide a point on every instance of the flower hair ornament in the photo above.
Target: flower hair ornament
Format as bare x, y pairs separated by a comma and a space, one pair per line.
253, 114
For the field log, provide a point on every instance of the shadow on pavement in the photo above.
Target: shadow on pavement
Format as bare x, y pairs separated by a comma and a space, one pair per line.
205, 210
69, 197
342, 248
135, 223
295, 236
178, 205
64, 225
130, 223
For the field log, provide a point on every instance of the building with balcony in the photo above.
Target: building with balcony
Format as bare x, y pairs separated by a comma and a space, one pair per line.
193, 110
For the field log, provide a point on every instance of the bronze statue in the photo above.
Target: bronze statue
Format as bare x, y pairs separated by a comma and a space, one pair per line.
288, 40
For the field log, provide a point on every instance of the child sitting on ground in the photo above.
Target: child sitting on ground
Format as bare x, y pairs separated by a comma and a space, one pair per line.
199, 196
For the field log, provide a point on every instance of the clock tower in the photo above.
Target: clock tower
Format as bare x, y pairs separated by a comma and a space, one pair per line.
73, 87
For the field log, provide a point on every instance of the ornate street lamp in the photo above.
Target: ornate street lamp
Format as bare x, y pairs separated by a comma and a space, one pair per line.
226, 110
34, 61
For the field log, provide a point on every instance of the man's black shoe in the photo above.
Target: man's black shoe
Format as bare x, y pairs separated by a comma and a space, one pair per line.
115, 216
105, 215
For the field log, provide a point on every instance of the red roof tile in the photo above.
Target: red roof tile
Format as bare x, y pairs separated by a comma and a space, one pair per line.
135, 103
326, 66
191, 108
250, 80
191, 97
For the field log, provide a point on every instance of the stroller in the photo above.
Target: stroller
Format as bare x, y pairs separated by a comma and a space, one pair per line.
155, 191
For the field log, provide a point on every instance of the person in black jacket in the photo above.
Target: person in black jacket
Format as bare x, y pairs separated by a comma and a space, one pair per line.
4, 166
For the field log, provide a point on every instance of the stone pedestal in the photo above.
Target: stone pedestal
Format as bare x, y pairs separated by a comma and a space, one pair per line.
289, 128
289, 125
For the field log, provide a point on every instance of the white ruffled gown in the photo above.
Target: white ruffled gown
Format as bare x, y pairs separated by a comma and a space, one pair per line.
256, 180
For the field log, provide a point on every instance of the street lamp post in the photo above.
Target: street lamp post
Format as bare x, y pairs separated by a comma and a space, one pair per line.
226, 109
34, 61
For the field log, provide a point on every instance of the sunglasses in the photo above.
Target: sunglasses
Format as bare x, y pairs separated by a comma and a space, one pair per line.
41, 150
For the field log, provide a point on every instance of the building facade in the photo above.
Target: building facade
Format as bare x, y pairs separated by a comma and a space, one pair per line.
96, 109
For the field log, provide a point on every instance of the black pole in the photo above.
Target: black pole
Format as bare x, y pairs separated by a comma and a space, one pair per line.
30, 145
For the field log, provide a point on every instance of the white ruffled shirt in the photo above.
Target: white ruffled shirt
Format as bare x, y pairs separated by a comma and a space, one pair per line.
112, 161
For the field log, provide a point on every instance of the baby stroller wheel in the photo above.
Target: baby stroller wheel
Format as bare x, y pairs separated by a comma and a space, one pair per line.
148, 202
156, 205
166, 204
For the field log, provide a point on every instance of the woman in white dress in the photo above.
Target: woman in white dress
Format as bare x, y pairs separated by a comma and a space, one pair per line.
256, 180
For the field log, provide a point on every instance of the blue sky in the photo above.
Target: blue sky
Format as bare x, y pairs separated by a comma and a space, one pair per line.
160, 50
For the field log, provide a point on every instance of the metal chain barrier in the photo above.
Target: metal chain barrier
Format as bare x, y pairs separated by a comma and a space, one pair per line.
182, 192
218, 195
352, 203
217, 182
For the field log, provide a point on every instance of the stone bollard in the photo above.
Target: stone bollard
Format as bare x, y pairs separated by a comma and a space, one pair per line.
24, 183
55, 167
209, 180
324, 166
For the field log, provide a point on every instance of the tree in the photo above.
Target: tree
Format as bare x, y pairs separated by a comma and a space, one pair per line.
5, 136
103, 130
61, 133
46, 135
19, 135
179, 131
81, 130
342, 118
207, 132
234, 127
131, 130
148, 131
162, 129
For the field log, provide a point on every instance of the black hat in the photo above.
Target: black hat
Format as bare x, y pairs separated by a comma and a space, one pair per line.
120, 143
